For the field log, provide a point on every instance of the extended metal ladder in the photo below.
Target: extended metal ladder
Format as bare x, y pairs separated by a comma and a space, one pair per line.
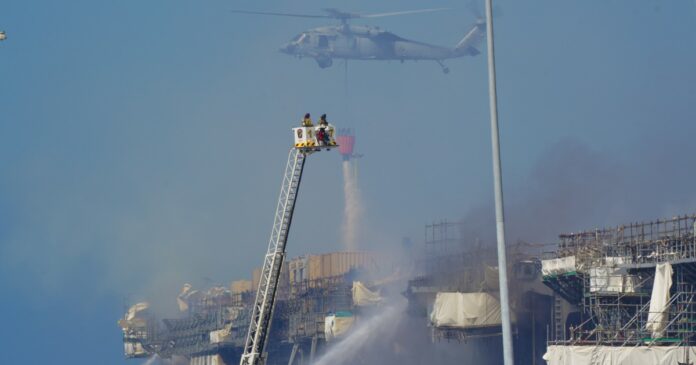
262, 311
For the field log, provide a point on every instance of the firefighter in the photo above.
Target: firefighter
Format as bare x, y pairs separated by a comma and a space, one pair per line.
307, 121
323, 133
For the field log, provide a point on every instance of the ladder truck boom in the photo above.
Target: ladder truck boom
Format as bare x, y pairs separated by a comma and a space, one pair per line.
306, 143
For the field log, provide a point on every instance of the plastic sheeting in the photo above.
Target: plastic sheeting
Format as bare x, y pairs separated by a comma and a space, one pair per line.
362, 296
134, 349
135, 309
337, 324
187, 294
465, 310
606, 355
657, 317
220, 336
558, 266
612, 280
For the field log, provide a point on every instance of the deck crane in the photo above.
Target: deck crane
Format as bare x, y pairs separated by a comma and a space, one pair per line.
306, 143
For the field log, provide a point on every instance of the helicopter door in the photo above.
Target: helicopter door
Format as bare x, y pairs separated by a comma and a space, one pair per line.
353, 42
323, 41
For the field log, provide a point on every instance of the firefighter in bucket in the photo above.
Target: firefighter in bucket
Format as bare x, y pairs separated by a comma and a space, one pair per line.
309, 136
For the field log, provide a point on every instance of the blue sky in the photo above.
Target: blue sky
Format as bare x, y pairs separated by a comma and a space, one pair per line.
142, 142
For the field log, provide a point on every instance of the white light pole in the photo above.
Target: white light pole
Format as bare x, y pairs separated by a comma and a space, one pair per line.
498, 187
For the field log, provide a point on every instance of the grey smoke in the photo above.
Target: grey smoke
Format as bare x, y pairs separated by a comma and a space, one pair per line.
573, 187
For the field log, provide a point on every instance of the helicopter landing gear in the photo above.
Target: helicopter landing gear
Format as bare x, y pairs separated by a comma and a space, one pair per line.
324, 62
445, 69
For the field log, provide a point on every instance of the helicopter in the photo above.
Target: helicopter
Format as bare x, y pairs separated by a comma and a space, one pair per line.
360, 42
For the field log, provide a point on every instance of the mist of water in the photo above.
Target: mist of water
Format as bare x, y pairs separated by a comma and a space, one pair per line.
353, 207
367, 330
154, 359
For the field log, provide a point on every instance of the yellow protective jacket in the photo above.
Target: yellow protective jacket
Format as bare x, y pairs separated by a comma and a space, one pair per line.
307, 122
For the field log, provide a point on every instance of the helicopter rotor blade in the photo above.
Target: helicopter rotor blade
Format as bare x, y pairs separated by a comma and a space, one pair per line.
475, 8
339, 14
380, 15
281, 14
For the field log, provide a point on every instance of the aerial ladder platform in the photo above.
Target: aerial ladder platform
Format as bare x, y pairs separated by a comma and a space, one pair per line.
306, 143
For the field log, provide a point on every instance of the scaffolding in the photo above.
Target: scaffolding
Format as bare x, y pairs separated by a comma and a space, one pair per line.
311, 301
610, 273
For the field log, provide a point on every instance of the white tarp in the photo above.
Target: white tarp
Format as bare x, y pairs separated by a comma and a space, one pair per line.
133, 349
187, 294
558, 266
615, 260
608, 279
336, 325
135, 309
607, 355
465, 310
657, 317
219, 336
362, 296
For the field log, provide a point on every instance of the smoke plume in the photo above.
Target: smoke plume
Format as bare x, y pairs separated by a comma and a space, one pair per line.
573, 187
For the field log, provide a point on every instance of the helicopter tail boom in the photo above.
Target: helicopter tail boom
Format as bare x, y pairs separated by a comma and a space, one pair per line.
467, 46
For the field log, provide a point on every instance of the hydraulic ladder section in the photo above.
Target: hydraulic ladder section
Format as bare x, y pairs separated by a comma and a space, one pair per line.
262, 311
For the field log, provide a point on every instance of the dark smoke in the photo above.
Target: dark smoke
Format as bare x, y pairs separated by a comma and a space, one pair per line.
573, 187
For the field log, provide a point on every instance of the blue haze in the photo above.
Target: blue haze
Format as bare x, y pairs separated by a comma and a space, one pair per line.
142, 142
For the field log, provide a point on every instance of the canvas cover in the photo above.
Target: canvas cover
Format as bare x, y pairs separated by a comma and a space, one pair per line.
627, 355
612, 280
362, 296
336, 325
465, 310
135, 309
657, 317
558, 266
219, 336
186, 295
133, 349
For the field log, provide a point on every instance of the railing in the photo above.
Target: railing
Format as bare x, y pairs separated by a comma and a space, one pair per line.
636, 243
634, 332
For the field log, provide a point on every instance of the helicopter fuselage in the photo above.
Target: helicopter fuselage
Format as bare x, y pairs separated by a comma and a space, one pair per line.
352, 42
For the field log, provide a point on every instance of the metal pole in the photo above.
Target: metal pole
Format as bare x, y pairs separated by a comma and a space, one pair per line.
498, 187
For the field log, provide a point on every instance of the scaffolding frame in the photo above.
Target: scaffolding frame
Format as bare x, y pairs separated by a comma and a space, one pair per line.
615, 313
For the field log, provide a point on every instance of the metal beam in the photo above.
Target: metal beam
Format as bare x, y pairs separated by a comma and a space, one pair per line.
498, 187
